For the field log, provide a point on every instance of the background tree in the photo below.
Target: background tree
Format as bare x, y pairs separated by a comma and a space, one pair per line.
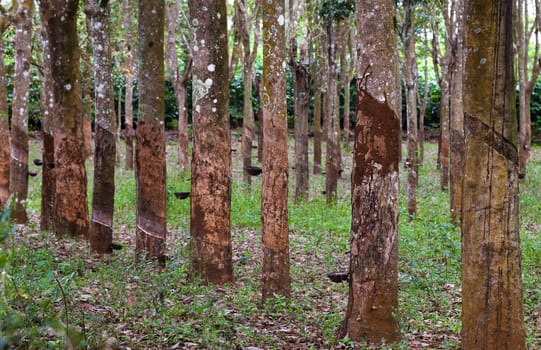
492, 308
101, 225
275, 274
150, 147
211, 155
179, 80
410, 79
130, 71
332, 154
441, 62
71, 214
4, 121
456, 136
245, 24
298, 60
18, 181
527, 78
48, 181
373, 281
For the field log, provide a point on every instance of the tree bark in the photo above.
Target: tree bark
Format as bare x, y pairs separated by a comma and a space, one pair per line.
410, 77
151, 227
526, 82
302, 172
180, 83
373, 281
5, 148
210, 225
130, 73
248, 123
18, 182
317, 126
299, 68
87, 85
492, 308
332, 156
101, 225
48, 180
276, 279
71, 208
457, 117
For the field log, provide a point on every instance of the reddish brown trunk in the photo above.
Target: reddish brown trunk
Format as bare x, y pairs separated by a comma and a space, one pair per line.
373, 282
4, 125
71, 214
210, 225
48, 181
101, 228
150, 147
492, 306
276, 279
18, 182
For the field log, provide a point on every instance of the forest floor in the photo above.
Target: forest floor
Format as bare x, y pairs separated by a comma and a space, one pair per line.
59, 295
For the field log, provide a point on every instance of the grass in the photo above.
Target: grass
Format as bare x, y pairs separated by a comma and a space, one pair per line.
119, 302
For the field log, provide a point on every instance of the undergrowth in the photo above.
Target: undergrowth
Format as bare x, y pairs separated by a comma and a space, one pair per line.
54, 294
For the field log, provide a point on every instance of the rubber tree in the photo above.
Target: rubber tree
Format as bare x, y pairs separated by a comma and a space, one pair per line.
298, 61
492, 306
101, 224
18, 181
179, 80
210, 224
151, 226
274, 193
373, 273
4, 121
71, 208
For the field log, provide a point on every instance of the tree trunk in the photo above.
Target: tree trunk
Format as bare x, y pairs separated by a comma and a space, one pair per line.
130, 68
443, 154
18, 182
492, 314
457, 119
410, 77
301, 128
248, 125
48, 181
101, 225
210, 225
373, 281
260, 135
317, 127
4, 125
332, 156
276, 279
150, 147
422, 110
526, 83
71, 208
179, 83
87, 85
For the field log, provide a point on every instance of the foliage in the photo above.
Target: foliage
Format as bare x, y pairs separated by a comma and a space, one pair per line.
337, 10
